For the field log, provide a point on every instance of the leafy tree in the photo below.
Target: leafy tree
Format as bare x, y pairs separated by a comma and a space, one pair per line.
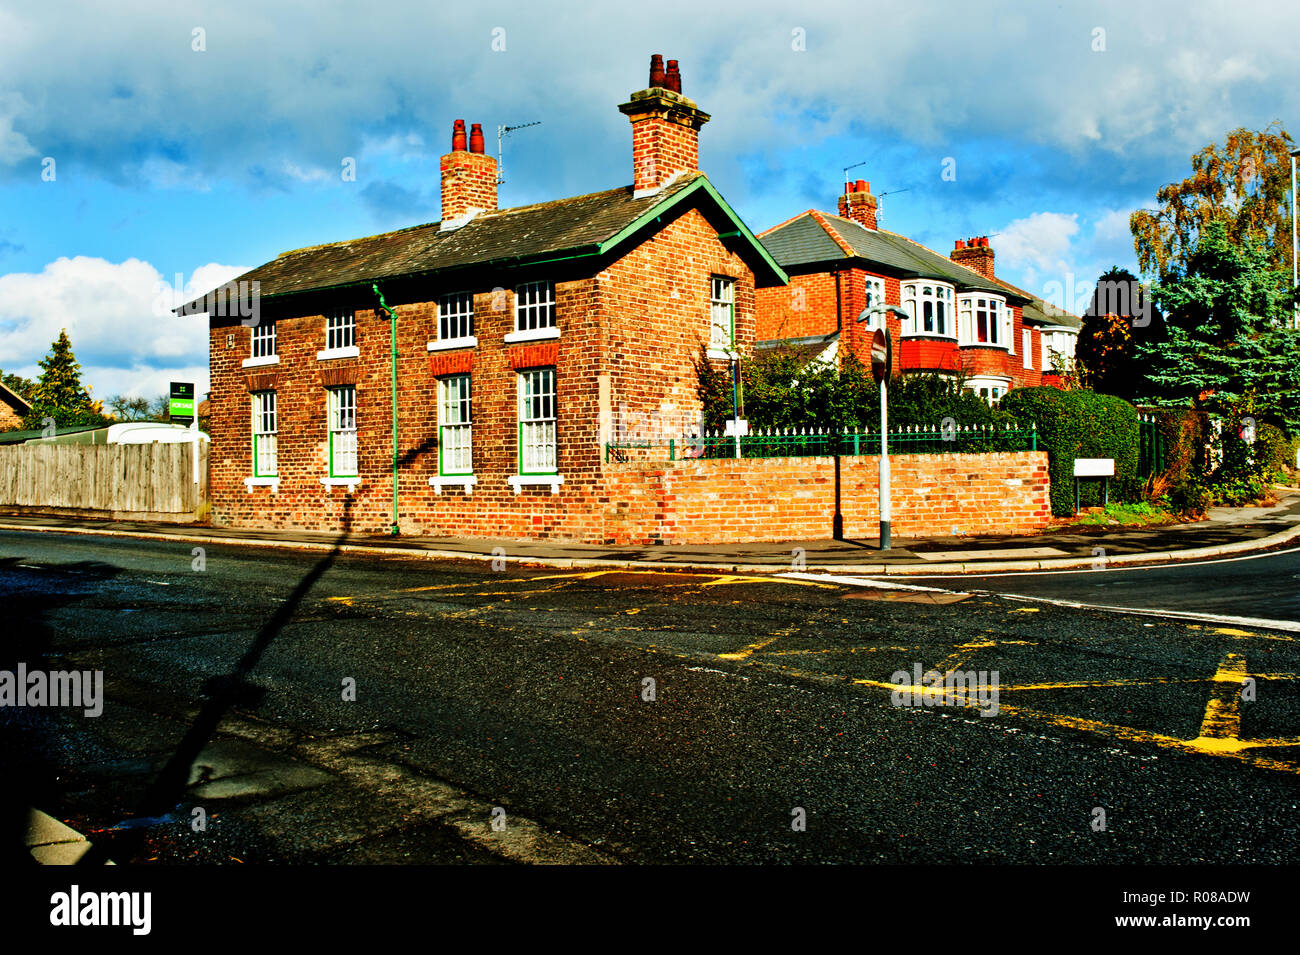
1122, 315
1245, 184
59, 393
1230, 348
786, 390
23, 387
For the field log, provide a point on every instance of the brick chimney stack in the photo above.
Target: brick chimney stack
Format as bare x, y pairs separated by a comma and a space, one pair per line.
974, 254
858, 203
469, 175
665, 129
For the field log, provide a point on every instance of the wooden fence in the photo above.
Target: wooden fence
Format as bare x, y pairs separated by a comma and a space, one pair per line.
123, 481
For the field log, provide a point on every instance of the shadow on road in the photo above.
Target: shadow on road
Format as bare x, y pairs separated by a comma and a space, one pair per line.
30, 747
223, 693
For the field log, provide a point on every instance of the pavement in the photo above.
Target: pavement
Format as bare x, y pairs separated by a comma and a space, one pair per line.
51, 842
1223, 532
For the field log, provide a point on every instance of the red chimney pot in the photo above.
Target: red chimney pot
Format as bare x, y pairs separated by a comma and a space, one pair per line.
961, 244
657, 70
673, 77
863, 186
458, 136
476, 138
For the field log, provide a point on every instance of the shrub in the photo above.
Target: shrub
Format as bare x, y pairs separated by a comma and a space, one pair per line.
1080, 424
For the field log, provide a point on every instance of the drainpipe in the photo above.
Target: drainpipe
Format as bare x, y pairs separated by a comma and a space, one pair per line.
392, 337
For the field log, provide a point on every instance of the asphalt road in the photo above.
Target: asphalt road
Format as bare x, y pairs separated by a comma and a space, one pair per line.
1257, 587
507, 716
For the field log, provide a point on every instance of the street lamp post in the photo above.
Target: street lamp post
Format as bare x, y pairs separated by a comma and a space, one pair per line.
883, 480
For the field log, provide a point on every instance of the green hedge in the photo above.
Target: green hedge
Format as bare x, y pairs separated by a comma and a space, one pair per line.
1081, 424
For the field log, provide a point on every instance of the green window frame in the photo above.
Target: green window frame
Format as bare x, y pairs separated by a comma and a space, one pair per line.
455, 426
341, 407
537, 422
265, 435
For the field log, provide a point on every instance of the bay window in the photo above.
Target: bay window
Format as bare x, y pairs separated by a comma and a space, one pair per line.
984, 320
929, 307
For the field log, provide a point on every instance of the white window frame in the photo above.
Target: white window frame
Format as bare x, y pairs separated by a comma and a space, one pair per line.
341, 421
263, 341
874, 287
265, 426
455, 426
340, 329
722, 316
455, 315
998, 320
916, 295
535, 311
538, 431
992, 388
1027, 347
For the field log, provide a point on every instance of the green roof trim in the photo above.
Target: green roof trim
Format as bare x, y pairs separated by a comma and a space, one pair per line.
700, 183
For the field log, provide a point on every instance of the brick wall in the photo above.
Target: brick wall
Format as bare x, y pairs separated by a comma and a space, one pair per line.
774, 499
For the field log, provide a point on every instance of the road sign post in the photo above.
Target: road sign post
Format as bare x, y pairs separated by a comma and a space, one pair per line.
881, 359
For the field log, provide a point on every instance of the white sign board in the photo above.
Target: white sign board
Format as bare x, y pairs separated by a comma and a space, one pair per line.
732, 425
1094, 467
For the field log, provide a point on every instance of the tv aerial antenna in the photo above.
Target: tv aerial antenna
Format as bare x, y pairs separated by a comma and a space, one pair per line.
502, 132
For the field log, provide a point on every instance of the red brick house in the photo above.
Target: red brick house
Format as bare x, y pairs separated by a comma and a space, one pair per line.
963, 318
13, 408
523, 338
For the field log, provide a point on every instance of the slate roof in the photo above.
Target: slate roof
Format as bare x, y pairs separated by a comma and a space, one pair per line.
805, 241
564, 227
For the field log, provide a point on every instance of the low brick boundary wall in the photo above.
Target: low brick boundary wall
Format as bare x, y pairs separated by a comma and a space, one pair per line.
773, 499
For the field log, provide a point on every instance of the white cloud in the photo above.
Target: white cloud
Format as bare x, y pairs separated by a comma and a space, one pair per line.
1112, 226
116, 317
1040, 241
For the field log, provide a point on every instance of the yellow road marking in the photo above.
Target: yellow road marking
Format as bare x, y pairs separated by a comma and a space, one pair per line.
1221, 726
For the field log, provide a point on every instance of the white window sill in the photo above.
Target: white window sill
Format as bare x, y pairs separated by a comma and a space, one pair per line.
348, 482
259, 362
532, 335
518, 481
352, 351
986, 345
272, 482
720, 354
470, 342
465, 482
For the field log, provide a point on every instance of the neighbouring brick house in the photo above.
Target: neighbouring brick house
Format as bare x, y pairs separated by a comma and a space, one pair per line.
963, 318
13, 408
524, 338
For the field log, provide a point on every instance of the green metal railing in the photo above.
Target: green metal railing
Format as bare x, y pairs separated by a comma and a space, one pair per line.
811, 442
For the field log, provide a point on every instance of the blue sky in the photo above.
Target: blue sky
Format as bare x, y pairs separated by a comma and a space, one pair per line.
1060, 119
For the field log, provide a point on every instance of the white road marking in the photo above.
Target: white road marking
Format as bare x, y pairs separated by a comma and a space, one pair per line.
1118, 568
873, 583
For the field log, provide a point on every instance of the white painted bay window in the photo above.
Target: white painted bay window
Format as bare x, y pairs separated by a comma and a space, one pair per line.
929, 307
984, 320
